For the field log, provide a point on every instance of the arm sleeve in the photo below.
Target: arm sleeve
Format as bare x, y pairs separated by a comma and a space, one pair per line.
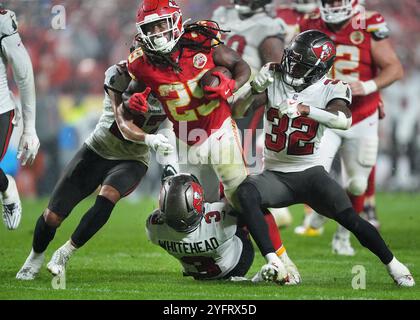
17, 56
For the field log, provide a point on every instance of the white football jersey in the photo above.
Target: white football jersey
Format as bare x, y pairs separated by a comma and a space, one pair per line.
209, 252
13, 52
247, 35
292, 145
106, 140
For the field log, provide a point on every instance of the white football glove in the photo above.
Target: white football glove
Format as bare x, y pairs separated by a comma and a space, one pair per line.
28, 147
263, 79
159, 143
290, 108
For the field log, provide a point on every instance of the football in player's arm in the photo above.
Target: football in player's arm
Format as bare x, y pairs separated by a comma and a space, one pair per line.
107, 160
13, 53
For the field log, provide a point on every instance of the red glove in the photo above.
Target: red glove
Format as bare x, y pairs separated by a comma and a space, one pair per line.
138, 102
223, 91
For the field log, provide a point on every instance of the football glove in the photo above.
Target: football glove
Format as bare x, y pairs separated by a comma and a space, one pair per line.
223, 91
159, 143
138, 102
290, 109
28, 147
263, 79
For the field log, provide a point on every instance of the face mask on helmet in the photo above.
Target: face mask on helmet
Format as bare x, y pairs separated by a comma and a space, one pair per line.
246, 7
307, 59
182, 202
159, 29
336, 11
304, 6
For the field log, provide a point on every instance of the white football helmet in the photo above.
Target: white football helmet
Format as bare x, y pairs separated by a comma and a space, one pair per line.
333, 13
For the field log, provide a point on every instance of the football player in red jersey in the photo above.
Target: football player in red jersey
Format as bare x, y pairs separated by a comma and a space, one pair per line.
171, 60
367, 61
292, 15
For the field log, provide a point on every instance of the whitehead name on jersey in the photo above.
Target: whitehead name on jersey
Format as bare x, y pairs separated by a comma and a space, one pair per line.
106, 139
247, 35
292, 145
209, 252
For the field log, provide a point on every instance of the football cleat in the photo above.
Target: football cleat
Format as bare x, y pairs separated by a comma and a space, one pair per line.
400, 274
308, 231
31, 267
58, 262
12, 208
341, 244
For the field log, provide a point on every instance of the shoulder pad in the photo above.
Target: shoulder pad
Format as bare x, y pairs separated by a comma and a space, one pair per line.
377, 26
117, 78
133, 62
8, 23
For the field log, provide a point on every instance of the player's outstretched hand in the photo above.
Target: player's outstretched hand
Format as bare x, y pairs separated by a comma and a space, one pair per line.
138, 102
28, 147
223, 91
263, 79
159, 143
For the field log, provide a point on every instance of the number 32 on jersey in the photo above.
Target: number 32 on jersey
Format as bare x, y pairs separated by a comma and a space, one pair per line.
298, 142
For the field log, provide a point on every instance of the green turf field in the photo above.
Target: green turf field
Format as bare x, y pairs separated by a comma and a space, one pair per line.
119, 263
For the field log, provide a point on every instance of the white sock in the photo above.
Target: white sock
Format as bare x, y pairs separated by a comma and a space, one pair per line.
69, 248
35, 256
393, 264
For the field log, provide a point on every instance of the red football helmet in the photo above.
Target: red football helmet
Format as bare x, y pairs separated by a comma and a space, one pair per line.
159, 25
336, 11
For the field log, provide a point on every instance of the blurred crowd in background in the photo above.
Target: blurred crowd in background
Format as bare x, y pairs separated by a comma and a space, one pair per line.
69, 65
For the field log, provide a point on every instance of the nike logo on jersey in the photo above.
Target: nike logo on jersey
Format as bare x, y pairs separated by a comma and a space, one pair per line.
227, 92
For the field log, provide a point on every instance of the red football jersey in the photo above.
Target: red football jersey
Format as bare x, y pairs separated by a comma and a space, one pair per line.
180, 92
354, 59
289, 15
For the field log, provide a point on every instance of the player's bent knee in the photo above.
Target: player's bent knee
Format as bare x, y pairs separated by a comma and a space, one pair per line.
110, 193
248, 192
357, 186
52, 219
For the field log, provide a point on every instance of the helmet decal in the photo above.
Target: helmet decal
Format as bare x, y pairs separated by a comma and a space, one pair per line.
325, 52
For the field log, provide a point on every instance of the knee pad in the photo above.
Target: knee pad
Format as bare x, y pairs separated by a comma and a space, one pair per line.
368, 151
357, 185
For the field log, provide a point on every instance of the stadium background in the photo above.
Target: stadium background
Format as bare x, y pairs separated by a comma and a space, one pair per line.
69, 65
119, 263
